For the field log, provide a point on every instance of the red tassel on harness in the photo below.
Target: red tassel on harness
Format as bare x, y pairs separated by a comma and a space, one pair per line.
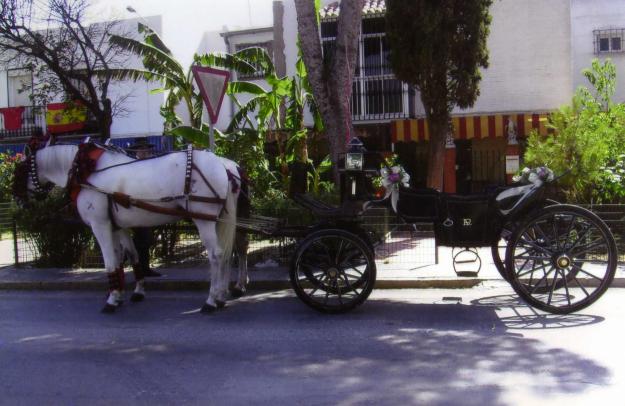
84, 164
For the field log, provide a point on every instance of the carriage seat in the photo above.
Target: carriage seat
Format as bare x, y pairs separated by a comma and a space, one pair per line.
324, 210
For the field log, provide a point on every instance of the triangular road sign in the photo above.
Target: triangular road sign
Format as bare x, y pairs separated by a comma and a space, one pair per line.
212, 83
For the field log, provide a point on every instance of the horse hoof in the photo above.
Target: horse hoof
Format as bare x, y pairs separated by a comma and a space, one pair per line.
220, 304
237, 293
109, 309
137, 297
208, 309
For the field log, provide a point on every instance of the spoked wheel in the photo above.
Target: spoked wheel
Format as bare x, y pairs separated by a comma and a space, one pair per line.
498, 249
562, 259
333, 271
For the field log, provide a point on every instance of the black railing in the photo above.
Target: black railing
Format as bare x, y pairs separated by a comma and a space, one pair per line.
609, 41
379, 98
32, 122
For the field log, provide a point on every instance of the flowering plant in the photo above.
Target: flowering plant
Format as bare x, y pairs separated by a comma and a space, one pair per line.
527, 175
392, 178
8, 163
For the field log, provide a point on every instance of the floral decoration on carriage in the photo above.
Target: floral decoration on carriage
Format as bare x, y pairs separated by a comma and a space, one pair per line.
532, 175
392, 179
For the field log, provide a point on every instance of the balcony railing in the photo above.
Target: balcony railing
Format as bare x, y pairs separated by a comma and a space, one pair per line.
379, 98
22, 121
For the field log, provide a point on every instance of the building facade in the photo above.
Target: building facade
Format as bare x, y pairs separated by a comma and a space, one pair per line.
537, 51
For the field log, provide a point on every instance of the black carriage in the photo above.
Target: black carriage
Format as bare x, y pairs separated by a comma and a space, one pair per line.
559, 258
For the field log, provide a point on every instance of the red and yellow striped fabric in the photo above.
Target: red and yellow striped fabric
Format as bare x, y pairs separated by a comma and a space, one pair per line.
61, 117
472, 127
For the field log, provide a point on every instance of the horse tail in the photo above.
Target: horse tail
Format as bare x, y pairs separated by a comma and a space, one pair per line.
227, 226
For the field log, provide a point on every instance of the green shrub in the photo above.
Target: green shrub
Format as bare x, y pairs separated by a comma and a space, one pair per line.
589, 138
58, 238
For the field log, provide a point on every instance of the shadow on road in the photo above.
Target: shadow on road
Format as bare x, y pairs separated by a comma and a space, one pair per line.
275, 350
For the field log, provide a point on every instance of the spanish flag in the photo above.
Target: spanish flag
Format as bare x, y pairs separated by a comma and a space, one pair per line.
65, 117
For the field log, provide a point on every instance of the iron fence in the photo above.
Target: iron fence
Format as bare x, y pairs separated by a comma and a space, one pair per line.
397, 245
30, 120
614, 217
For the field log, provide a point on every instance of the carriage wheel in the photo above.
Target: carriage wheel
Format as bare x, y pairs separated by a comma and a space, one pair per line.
333, 271
498, 249
562, 259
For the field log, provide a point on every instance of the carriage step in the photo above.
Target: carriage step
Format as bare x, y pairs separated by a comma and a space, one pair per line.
467, 274
467, 261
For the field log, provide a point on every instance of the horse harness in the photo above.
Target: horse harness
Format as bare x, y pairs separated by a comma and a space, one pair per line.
85, 163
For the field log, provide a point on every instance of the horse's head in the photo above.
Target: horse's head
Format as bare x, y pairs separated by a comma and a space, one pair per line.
26, 182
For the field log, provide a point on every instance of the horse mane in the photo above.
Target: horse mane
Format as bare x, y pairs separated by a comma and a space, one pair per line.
20, 182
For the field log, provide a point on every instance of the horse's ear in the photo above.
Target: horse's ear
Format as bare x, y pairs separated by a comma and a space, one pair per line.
51, 140
86, 140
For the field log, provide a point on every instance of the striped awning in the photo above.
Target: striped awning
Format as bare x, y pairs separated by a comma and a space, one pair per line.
473, 127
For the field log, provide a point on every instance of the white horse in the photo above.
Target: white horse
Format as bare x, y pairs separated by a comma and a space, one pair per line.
122, 192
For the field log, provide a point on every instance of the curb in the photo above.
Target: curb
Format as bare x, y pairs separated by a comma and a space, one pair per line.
197, 285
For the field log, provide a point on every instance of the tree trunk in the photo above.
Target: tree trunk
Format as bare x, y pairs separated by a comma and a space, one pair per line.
438, 126
105, 120
332, 89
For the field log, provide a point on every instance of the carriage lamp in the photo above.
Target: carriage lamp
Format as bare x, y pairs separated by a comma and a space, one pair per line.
354, 157
354, 168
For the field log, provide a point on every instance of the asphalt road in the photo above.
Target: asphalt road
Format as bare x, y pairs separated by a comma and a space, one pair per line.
475, 346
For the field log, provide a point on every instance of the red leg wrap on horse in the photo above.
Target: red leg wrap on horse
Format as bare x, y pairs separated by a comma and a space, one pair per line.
122, 279
137, 270
115, 283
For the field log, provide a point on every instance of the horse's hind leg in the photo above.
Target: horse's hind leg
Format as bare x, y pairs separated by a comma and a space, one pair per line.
112, 254
131, 254
218, 285
241, 244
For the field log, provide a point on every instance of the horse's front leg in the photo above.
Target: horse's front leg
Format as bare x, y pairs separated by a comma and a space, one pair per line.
112, 254
241, 244
130, 252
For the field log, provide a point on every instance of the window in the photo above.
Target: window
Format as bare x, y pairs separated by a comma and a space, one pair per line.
609, 41
19, 87
267, 46
376, 93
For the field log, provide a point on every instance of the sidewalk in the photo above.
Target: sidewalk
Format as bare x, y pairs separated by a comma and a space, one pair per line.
389, 276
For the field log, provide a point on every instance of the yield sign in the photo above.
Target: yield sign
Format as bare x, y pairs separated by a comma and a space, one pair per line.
212, 83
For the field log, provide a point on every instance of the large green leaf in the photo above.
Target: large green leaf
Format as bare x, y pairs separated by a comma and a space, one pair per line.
152, 38
154, 59
225, 61
130, 74
193, 135
241, 115
245, 87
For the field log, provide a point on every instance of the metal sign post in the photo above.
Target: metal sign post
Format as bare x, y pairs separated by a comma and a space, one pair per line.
212, 84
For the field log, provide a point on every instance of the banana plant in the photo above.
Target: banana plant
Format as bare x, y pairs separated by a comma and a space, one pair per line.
177, 83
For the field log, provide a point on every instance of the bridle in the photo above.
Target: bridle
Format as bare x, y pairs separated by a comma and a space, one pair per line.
25, 171
33, 174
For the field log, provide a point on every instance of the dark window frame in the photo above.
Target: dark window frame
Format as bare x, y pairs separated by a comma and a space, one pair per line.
266, 45
609, 41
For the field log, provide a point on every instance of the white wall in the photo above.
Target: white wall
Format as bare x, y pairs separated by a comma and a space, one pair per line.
4, 89
530, 58
589, 15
